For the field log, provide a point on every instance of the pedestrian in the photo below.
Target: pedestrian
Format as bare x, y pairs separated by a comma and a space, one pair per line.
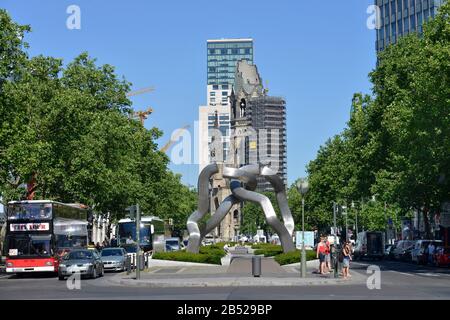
113, 242
129, 240
346, 257
98, 246
431, 251
320, 254
328, 256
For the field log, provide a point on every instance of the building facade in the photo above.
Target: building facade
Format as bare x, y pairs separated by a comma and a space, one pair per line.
222, 56
258, 124
400, 17
214, 121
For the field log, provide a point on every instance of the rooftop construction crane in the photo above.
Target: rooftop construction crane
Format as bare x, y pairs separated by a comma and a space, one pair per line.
142, 115
173, 139
140, 91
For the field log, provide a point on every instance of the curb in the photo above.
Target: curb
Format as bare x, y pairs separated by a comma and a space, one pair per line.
231, 282
169, 263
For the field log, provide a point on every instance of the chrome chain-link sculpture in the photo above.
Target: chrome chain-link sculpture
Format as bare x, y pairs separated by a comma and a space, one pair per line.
247, 176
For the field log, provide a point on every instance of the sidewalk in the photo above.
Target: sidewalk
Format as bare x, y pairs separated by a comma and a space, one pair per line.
217, 276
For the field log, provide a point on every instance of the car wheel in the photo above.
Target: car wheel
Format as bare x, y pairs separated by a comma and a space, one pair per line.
103, 272
94, 273
60, 277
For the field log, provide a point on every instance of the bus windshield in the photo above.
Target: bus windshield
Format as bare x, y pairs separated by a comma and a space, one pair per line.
29, 246
30, 211
127, 233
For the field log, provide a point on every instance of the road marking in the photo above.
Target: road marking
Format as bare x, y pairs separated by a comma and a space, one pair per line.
404, 273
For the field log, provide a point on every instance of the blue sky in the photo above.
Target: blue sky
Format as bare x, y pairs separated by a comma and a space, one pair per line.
316, 54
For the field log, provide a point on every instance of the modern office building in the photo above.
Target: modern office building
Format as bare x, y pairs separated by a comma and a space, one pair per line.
258, 124
222, 55
400, 17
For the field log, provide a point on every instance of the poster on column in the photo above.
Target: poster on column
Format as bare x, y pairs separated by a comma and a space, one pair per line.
309, 239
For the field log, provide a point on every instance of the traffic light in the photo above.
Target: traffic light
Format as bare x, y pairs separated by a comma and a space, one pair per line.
132, 212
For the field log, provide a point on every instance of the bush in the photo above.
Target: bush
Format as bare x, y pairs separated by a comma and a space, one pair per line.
222, 244
207, 254
294, 257
267, 246
270, 252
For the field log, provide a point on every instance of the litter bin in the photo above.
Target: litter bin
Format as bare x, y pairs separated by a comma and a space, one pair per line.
256, 266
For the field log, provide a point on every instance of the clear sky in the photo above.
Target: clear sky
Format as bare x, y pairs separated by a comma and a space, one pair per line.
316, 54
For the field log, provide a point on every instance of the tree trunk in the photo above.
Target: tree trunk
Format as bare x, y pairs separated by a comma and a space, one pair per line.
426, 222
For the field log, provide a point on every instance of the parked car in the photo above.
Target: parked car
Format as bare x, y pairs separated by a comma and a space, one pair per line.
114, 259
82, 261
401, 248
370, 244
406, 255
418, 253
442, 257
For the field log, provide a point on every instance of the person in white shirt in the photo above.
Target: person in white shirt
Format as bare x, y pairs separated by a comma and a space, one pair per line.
431, 250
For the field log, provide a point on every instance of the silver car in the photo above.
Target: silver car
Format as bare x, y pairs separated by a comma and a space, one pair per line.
84, 262
114, 259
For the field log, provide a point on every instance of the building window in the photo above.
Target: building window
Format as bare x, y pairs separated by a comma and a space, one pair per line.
212, 94
406, 24
412, 22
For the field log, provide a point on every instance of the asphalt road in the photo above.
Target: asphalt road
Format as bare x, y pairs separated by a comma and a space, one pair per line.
398, 281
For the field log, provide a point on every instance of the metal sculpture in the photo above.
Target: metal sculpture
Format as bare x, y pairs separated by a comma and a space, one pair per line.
242, 183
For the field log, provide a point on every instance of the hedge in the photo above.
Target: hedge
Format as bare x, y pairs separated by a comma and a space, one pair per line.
269, 252
294, 257
267, 246
208, 254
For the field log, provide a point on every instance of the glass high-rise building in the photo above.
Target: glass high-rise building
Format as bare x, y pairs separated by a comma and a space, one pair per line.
400, 17
223, 55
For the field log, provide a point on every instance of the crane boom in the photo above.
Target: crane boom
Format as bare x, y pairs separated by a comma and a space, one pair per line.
140, 91
174, 138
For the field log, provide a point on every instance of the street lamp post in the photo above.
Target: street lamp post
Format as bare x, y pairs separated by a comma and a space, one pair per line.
303, 187
334, 249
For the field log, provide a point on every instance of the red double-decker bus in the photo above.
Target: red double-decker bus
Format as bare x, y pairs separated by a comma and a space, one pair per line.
38, 232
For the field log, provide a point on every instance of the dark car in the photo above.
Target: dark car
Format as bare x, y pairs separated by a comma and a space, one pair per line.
403, 248
85, 262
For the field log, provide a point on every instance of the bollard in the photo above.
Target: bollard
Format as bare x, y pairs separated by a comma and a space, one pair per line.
142, 262
256, 266
128, 262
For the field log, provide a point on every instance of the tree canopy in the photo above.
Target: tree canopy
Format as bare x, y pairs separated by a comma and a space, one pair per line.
397, 141
70, 128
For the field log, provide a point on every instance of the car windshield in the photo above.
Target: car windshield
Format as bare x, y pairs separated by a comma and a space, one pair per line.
130, 249
111, 253
79, 255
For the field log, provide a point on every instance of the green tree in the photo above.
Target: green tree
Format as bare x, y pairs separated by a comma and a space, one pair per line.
70, 128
